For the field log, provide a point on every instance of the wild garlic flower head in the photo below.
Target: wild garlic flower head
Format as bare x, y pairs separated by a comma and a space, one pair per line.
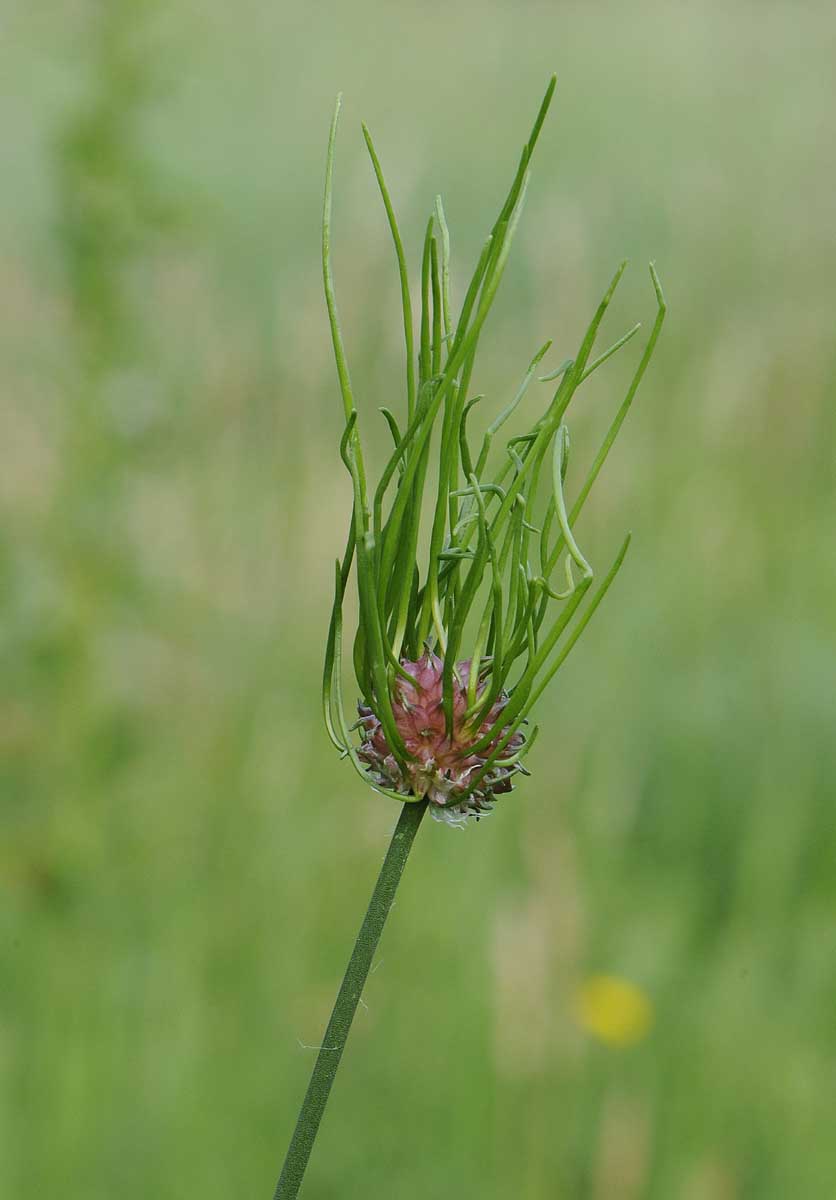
452, 652
456, 775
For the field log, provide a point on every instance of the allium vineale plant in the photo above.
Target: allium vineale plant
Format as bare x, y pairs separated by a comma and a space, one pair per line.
451, 653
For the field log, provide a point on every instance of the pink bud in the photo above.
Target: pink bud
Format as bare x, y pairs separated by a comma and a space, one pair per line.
441, 766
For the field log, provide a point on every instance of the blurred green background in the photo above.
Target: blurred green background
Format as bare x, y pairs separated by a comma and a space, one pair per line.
183, 861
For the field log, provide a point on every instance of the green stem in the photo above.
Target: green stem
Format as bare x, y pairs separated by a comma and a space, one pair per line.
348, 997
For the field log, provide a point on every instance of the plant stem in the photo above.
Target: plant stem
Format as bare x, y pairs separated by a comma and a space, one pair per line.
348, 997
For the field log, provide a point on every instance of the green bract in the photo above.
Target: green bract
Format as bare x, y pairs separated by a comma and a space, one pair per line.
499, 525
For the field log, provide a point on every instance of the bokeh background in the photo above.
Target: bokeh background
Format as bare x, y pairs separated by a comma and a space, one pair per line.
623, 984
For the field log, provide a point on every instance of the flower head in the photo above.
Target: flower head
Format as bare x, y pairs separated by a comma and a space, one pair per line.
452, 652
614, 1010
441, 763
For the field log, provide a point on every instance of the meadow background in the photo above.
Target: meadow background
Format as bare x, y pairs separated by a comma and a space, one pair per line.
183, 860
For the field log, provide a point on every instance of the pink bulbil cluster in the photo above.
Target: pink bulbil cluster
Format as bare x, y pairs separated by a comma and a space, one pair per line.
441, 766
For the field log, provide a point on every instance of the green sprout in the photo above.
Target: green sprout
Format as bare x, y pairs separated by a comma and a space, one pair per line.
451, 655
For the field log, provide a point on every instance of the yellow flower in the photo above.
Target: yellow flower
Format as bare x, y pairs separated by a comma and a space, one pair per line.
613, 1010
